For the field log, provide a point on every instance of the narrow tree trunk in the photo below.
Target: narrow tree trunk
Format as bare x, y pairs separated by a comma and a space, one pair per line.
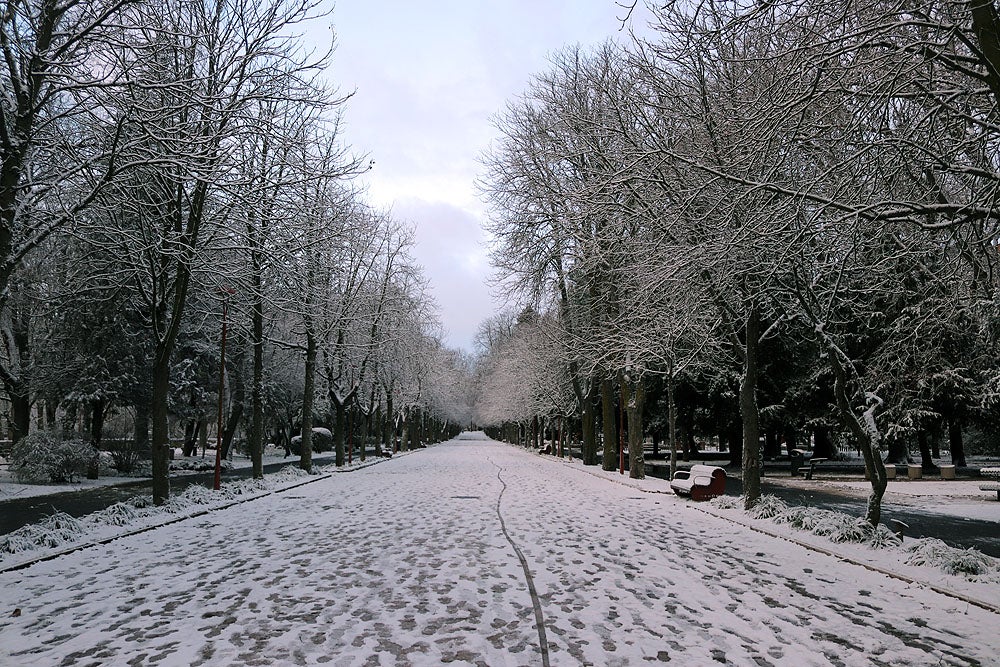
404, 438
926, 462
140, 430
20, 411
956, 443
308, 396
339, 431
749, 412
255, 439
864, 431
203, 435
96, 433
634, 397
160, 445
672, 420
609, 460
588, 421
389, 428
238, 390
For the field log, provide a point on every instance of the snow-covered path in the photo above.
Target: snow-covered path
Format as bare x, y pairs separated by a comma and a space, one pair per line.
407, 563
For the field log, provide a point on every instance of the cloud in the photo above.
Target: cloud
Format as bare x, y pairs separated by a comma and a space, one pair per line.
428, 79
450, 245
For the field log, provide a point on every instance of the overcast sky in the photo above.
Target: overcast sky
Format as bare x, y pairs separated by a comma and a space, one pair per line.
428, 78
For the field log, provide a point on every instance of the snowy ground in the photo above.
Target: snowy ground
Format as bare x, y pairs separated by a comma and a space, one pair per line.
408, 562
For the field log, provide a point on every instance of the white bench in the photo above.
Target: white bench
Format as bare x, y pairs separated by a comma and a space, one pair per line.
991, 486
700, 483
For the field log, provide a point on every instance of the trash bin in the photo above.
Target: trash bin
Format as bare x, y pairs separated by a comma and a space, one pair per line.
798, 458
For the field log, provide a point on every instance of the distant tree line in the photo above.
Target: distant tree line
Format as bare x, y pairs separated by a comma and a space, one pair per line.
164, 163
767, 222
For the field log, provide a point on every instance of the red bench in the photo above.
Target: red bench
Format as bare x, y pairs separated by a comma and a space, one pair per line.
700, 483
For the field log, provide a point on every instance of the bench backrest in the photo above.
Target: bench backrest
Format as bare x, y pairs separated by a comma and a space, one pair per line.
700, 470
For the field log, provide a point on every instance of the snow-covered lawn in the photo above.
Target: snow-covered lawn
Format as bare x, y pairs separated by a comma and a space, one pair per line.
11, 489
408, 563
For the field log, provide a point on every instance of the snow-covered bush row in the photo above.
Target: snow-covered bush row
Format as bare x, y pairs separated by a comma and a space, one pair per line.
840, 527
968, 562
42, 458
60, 529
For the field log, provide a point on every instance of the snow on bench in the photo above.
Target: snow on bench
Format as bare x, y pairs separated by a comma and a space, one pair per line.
993, 473
700, 483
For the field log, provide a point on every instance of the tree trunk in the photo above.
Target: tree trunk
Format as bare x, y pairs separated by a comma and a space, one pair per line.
160, 445
956, 443
898, 452
634, 397
20, 411
672, 419
750, 413
255, 439
772, 444
190, 437
238, 398
308, 396
96, 433
864, 431
339, 430
926, 462
141, 430
588, 448
203, 435
389, 427
404, 437
822, 442
610, 453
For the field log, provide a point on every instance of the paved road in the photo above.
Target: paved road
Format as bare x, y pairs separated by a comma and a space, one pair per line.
480, 554
964, 532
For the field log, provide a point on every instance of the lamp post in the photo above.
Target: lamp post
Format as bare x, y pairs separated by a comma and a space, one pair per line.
217, 484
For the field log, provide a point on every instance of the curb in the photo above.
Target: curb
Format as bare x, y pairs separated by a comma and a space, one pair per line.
79, 546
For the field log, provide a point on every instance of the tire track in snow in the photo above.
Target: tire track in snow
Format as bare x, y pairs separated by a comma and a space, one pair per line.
543, 643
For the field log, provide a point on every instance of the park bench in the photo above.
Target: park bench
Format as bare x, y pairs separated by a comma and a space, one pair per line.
812, 463
700, 483
994, 474
800, 458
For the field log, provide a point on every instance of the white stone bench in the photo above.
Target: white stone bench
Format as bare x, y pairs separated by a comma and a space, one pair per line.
991, 486
994, 474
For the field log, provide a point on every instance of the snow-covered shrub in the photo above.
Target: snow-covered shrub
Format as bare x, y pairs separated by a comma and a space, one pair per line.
41, 457
53, 531
852, 529
60, 528
244, 487
829, 523
727, 502
767, 507
16, 542
119, 514
883, 538
139, 502
124, 454
932, 551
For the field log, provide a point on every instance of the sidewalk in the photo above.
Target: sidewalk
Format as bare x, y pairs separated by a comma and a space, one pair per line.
408, 563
